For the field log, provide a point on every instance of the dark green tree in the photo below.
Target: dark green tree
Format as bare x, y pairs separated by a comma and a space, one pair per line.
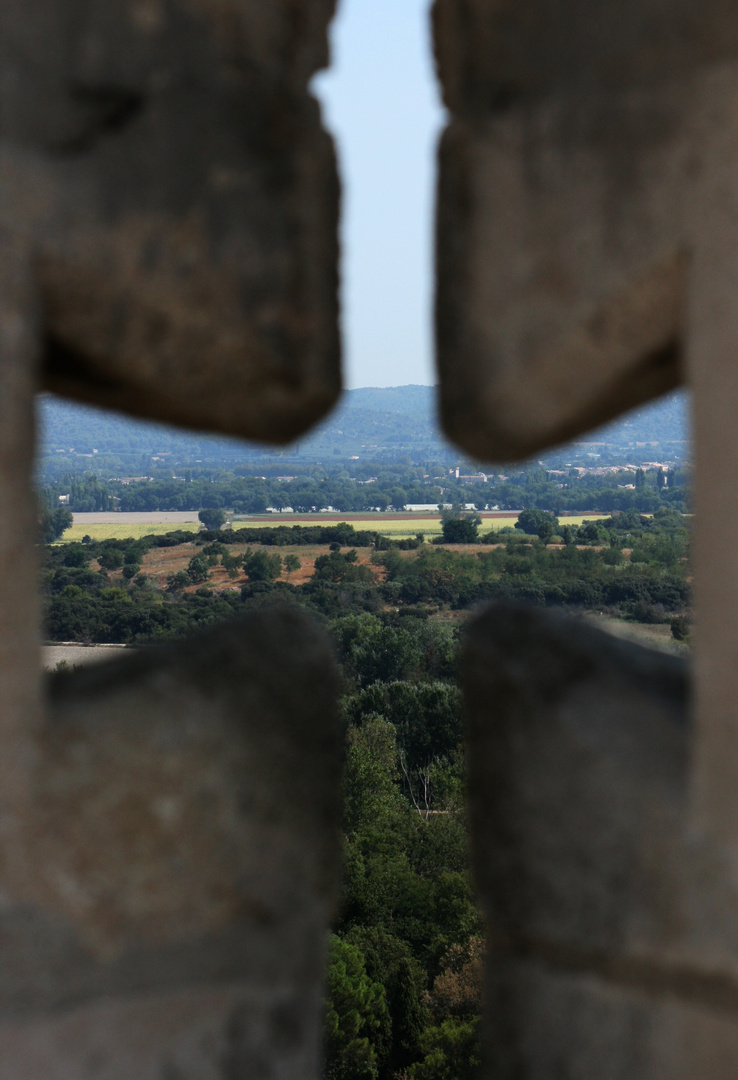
261, 566
426, 716
231, 564
339, 568
110, 558
451, 1052
76, 555
461, 530
212, 518
53, 523
291, 564
198, 570
409, 1016
546, 531
530, 521
590, 533
357, 1018
680, 628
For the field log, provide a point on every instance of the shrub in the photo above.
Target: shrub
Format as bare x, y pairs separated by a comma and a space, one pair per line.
110, 558
198, 570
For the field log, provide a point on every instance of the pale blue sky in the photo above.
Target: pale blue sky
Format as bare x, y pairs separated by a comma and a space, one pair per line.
381, 103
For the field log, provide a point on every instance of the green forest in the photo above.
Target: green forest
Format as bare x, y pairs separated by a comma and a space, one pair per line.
375, 487
631, 566
404, 978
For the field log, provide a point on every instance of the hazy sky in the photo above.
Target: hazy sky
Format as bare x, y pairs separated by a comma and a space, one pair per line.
381, 103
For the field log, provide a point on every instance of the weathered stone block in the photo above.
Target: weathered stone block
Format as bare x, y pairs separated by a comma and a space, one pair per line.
611, 923
578, 783
494, 54
166, 901
613, 939
585, 181
557, 1020
20, 705
166, 169
214, 1033
588, 260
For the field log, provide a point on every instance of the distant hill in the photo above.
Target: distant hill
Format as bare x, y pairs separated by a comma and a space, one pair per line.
408, 400
371, 423
368, 422
395, 419
665, 422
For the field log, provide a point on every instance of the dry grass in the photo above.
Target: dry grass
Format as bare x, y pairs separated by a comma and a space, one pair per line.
159, 563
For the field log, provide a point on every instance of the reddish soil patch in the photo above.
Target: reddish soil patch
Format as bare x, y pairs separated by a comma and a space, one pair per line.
159, 563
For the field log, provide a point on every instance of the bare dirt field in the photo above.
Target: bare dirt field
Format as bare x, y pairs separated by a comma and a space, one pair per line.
74, 655
113, 517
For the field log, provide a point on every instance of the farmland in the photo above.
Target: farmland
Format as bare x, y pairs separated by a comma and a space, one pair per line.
132, 589
398, 526
395, 609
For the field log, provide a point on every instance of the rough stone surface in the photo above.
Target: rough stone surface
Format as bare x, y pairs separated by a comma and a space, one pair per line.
168, 822
218, 1033
20, 705
165, 166
557, 1021
713, 320
496, 53
587, 261
588, 147
611, 921
578, 781
166, 903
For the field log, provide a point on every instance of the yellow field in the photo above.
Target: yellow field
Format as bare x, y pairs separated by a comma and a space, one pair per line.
579, 519
125, 530
397, 528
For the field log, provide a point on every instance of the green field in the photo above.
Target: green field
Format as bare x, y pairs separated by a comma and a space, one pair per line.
397, 528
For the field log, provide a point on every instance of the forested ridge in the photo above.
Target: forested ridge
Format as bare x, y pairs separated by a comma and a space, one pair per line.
382, 425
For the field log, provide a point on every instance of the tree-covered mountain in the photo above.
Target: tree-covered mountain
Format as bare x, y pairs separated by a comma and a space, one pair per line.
369, 424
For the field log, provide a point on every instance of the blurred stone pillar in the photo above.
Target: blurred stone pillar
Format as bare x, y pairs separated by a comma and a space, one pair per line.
586, 263
168, 824
180, 851
20, 697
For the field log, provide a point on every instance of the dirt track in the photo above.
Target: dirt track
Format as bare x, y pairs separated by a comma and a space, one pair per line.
149, 517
